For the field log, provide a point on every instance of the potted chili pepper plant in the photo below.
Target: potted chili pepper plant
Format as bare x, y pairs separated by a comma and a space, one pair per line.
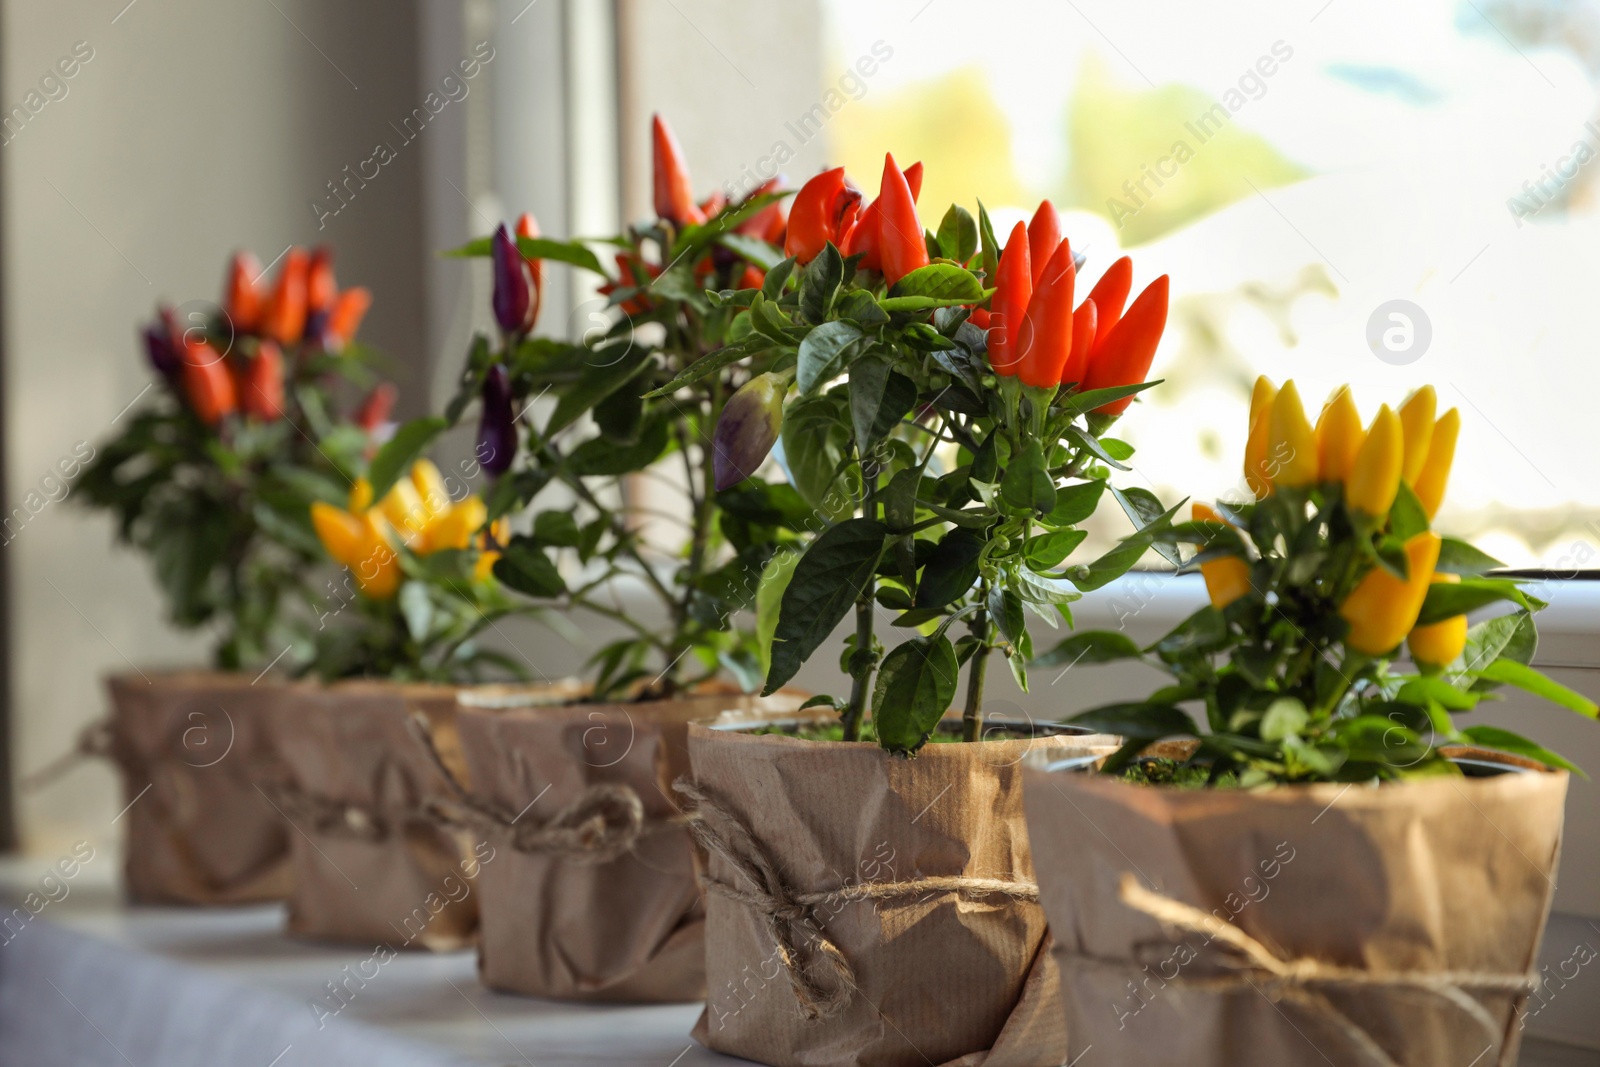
1330, 864
870, 891
210, 479
595, 895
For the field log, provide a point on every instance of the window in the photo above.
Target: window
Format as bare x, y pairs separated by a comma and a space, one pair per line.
1375, 193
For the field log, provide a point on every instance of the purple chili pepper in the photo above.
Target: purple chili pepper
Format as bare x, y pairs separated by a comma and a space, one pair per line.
497, 431
512, 287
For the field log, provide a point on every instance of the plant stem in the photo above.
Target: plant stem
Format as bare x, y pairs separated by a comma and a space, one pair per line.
862, 660
977, 670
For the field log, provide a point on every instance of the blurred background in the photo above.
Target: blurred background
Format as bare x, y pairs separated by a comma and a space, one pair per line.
1341, 190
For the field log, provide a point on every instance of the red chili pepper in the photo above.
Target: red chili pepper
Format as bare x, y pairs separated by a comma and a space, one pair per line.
712, 205
242, 303
824, 210
1109, 294
345, 318
321, 289
1044, 236
528, 226
1009, 306
284, 318
752, 278
673, 195
1083, 326
1125, 356
631, 272
900, 242
864, 238
260, 385
376, 408
207, 383
768, 223
1047, 334
981, 318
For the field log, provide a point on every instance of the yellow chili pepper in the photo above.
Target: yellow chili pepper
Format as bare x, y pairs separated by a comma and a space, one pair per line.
1292, 445
360, 496
1416, 423
1256, 474
340, 532
359, 542
431, 489
1382, 608
1227, 579
455, 528
1339, 437
377, 568
402, 506
1375, 477
498, 533
1436, 468
1438, 644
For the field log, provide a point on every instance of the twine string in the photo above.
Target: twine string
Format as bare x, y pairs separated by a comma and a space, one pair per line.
820, 976
1305, 982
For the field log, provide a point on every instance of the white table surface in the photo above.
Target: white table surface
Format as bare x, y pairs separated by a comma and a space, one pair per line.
84, 960
93, 982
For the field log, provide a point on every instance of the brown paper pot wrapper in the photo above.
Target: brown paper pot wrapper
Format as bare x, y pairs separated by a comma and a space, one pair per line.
875, 911
614, 915
371, 865
190, 747
1347, 924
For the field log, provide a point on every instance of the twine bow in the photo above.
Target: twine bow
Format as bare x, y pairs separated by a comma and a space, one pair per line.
1305, 982
601, 824
819, 974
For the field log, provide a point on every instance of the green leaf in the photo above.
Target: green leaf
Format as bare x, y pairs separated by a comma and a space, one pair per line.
827, 581
1513, 636
1082, 403
777, 278
1005, 609
556, 528
1109, 567
1049, 550
1090, 443
820, 283
1285, 717
1138, 721
947, 283
1445, 600
859, 306
602, 375
824, 352
570, 252
916, 683
1531, 681
417, 609
900, 499
1506, 741
958, 234
1090, 646
753, 249
812, 449
769, 598
598, 456
707, 365
1458, 557
1074, 504
879, 399
1406, 517
400, 451
1026, 484
991, 247
951, 569
524, 567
